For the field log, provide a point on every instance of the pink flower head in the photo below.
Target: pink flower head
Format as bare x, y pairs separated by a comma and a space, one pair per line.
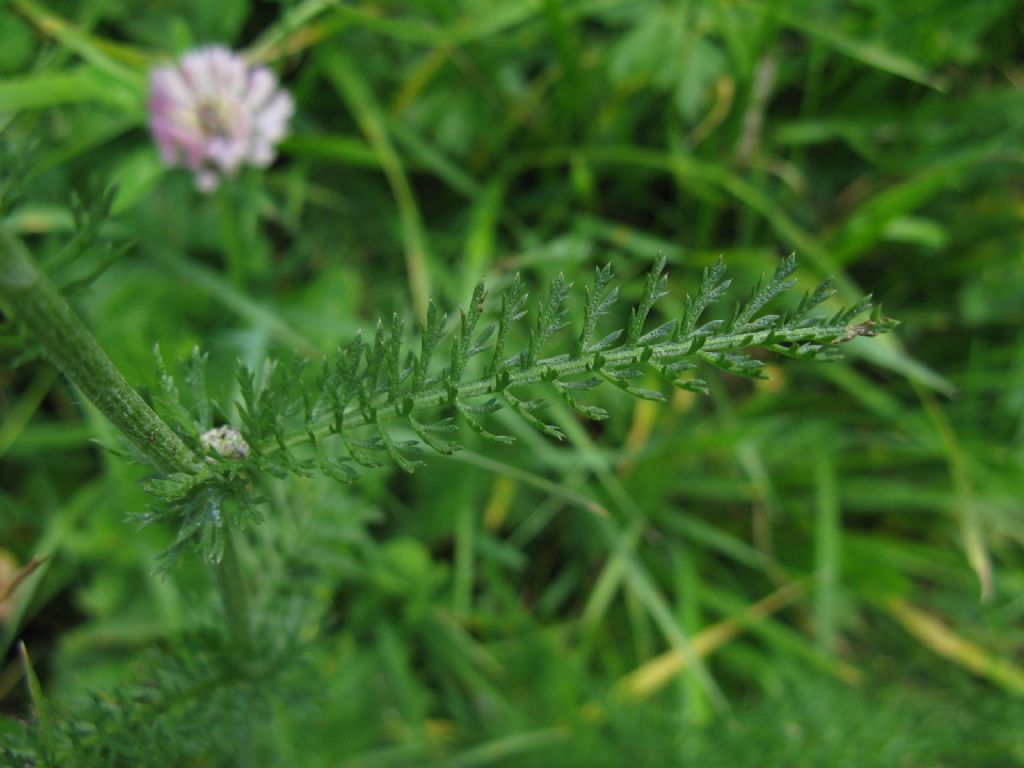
211, 112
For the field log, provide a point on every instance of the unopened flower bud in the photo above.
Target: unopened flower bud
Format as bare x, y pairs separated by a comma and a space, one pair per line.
225, 441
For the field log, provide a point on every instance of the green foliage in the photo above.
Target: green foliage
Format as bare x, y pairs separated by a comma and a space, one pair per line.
485, 610
157, 721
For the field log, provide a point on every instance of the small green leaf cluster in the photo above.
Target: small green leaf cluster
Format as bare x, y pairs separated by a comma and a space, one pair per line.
18, 156
369, 388
216, 497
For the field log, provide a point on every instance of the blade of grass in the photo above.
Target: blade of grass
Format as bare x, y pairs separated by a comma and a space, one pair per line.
494, 21
695, 702
570, 96
502, 496
670, 628
121, 62
100, 133
39, 704
645, 415
639, 622
44, 90
622, 565
399, 756
479, 246
931, 632
867, 52
765, 509
21, 412
782, 639
420, 76
344, 77
650, 677
827, 537
347, 150
463, 576
227, 294
536, 481
866, 225
8, 586
500, 750
61, 523
427, 157
635, 241
273, 42
970, 518
716, 540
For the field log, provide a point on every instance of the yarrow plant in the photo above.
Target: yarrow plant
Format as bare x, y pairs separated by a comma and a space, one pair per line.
345, 419
212, 113
383, 401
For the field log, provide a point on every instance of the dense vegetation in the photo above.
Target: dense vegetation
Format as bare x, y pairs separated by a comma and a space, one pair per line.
820, 567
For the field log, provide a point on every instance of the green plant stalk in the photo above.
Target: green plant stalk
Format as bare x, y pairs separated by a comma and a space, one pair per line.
231, 233
231, 586
74, 350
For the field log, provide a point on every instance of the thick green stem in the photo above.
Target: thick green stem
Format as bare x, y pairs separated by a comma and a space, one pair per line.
69, 346
73, 349
233, 594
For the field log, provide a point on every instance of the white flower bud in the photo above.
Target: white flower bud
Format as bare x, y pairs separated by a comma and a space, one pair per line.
225, 441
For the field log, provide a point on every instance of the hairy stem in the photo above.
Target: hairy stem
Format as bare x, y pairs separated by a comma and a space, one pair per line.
72, 348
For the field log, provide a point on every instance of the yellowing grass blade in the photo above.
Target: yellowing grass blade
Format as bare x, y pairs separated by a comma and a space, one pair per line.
971, 531
937, 637
35, 692
8, 585
655, 674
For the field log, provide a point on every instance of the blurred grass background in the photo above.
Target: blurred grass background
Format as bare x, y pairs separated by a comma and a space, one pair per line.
840, 544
